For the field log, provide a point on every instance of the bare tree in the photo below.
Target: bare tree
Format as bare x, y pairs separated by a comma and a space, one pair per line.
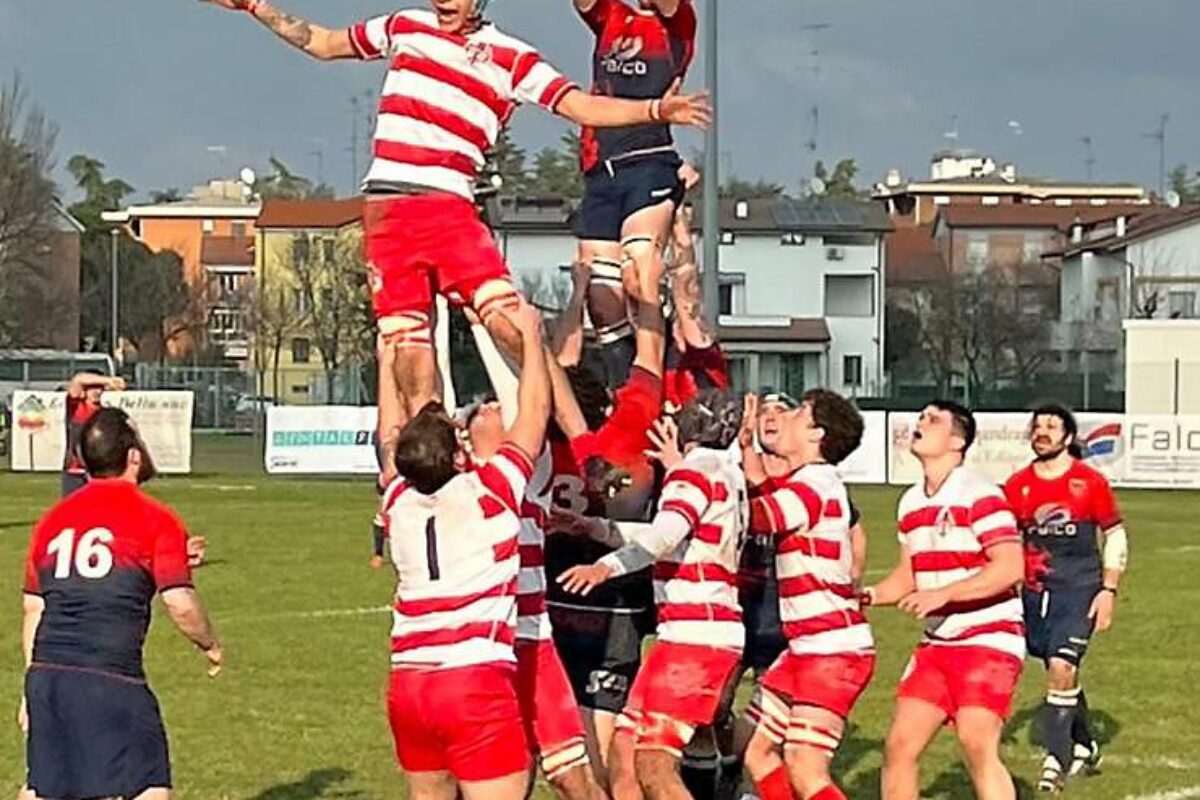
272, 316
549, 291
27, 213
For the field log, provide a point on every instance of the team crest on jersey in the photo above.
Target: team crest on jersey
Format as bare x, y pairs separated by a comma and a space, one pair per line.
1077, 487
479, 53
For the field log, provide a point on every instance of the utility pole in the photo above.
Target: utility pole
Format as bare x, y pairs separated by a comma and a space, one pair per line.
709, 275
115, 289
1089, 160
1160, 136
814, 31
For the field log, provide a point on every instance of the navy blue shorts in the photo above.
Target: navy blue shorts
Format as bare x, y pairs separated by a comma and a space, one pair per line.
611, 198
1057, 623
601, 652
764, 629
93, 735
72, 482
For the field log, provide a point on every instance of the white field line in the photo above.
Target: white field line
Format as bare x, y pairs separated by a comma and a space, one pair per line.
1154, 762
328, 613
1173, 794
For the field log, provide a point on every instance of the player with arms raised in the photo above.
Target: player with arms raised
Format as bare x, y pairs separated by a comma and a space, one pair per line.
693, 544
453, 82
1069, 516
959, 567
453, 533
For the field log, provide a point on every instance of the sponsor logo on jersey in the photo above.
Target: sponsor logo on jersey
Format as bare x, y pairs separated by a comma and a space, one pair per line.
1053, 520
622, 57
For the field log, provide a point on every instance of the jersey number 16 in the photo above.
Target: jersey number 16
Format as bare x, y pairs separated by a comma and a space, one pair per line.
91, 555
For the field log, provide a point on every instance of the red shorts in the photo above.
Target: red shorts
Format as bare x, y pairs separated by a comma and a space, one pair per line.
463, 721
952, 678
832, 682
679, 688
421, 245
552, 720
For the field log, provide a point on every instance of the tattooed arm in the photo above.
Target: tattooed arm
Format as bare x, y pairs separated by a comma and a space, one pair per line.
686, 293
320, 43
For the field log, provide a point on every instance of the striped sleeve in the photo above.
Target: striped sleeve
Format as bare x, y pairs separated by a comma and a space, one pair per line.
507, 475
992, 520
792, 507
687, 493
535, 81
370, 38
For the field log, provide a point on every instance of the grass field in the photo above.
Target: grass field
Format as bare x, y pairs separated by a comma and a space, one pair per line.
298, 712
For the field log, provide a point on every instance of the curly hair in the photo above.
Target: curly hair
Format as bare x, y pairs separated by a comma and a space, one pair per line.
841, 421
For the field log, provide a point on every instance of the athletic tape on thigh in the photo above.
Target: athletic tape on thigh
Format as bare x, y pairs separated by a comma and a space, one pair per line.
802, 733
613, 333
492, 296
658, 731
564, 758
1066, 698
628, 720
638, 245
606, 272
769, 714
406, 329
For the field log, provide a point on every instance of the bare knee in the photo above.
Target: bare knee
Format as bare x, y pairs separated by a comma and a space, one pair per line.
979, 747
900, 748
657, 771
1061, 675
808, 769
761, 756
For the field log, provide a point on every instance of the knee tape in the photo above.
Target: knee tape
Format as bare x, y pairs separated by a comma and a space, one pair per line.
802, 733
639, 247
406, 329
661, 732
606, 272
564, 759
768, 713
493, 296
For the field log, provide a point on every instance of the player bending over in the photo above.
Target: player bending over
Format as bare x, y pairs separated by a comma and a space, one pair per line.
1075, 555
959, 567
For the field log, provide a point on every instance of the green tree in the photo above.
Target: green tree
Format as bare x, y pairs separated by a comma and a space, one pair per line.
1187, 186
283, 184
742, 189
100, 194
507, 159
839, 184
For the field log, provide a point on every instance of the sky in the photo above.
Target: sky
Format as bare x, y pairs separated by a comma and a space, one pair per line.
169, 93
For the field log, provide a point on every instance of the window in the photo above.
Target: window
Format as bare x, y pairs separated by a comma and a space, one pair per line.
849, 296
990, 200
941, 200
977, 255
328, 247
208, 226
784, 372
225, 324
850, 240
303, 306
1181, 305
852, 367
300, 249
238, 229
1031, 300
301, 350
731, 294
726, 299
792, 240
1033, 250
230, 282
728, 237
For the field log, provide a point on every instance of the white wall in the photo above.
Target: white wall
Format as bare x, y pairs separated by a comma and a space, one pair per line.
1162, 366
780, 280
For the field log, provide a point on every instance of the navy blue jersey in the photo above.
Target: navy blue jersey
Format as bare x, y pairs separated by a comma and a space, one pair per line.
1061, 520
97, 559
638, 55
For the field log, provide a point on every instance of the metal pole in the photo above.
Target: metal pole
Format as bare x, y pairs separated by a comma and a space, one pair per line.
709, 276
115, 287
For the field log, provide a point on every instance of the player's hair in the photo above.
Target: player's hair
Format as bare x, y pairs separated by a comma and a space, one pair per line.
840, 420
590, 393
1069, 425
105, 442
711, 419
963, 421
426, 449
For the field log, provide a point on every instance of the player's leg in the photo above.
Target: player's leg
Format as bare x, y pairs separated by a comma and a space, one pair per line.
658, 775
978, 730
914, 724
1057, 717
435, 785
1086, 755
608, 307
643, 237
157, 793
813, 737
766, 719
622, 775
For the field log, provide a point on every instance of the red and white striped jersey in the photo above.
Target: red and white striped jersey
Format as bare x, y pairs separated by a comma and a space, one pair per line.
533, 623
818, 604
695, 585
947, 537
456, 557
447, 96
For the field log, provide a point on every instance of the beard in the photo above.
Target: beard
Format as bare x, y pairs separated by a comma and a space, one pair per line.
1051, 454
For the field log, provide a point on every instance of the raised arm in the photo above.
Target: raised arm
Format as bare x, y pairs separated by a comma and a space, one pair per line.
528, 431
321, 43
666, 8
686, 293
567, 344
672, 108
82, 381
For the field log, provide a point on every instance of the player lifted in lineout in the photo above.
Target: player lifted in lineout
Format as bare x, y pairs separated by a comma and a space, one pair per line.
452, 84
1075, 555
632, 185
959, 567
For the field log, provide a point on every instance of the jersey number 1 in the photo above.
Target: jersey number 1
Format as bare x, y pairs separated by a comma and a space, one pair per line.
91, 555
431, 553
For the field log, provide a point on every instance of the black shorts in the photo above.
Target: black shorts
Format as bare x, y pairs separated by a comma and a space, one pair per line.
72, 482
1057, 623
610, 198
93, 735
601, 652
764, 629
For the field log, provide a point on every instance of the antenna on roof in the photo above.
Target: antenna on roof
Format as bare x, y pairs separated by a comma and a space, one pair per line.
1090, 161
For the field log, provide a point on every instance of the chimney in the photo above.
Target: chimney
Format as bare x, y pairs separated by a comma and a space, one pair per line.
1009, 173
893, 179
741, 210
1077, 231
1121, 225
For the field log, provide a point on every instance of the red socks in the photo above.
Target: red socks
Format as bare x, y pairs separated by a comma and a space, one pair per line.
830, 792
775, 785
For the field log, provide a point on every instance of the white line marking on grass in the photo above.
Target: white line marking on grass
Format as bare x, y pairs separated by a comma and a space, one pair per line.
1155, 762
226, 487
1173, 794
1187, 548
364, 611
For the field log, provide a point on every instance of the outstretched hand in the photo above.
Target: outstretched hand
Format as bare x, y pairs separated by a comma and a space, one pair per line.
232, 5
584, 578
685, 109
664, 436
749, 421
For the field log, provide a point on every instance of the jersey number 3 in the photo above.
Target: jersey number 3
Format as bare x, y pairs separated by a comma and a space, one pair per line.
91, 555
